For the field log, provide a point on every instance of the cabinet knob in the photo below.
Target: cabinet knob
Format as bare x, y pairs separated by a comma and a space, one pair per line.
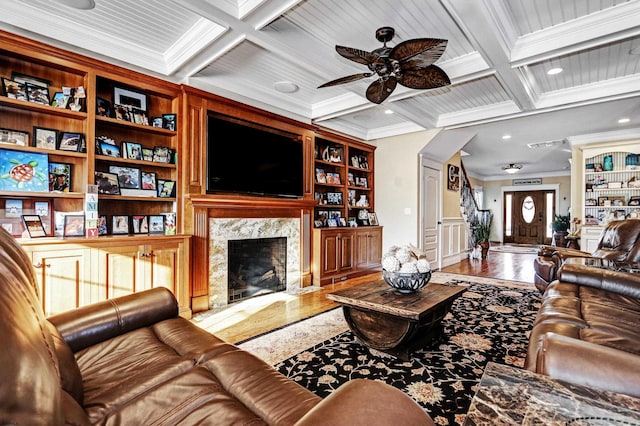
40, 265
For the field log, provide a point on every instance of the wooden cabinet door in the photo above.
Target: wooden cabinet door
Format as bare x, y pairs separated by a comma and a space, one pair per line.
368, 248
121, 269
346, 248
161, 265
63, 278
330, 253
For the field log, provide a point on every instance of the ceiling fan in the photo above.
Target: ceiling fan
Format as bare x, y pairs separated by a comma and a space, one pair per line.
409, 63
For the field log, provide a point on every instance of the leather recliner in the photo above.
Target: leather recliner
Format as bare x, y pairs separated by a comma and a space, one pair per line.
618, 244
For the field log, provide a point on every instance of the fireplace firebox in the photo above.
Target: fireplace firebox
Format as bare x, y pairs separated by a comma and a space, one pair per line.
256, 266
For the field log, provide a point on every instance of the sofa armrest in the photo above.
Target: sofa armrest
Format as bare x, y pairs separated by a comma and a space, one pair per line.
564, 252
584, 363
624, 283
91, 324
366, 402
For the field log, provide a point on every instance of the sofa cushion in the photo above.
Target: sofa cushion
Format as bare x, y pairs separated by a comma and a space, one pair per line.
70, 377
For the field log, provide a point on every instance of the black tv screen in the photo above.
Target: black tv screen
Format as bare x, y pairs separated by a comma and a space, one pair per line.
243, 158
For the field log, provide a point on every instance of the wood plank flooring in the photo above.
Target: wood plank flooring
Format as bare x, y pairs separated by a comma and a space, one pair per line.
259, 315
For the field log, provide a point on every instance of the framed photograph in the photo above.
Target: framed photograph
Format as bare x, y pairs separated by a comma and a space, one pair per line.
342, 221
130, 98
604, 201
373, 219
109, 149
24, 171
24, 78
590, 202
107, 183
355, 161
335, 155
617, 200
70, 141
103, 107
33, 225
132, 150
140, 116
453, 177
14, 137
157, 122
120, 225
45, 138
161, 154
321, 176
156, 224
634, 201
169, 121
140, 224
102, 225
318, 223
38, 94
148, 180
169, 223
334, 198
60, 100
13, 208
128, 177
333, 178
147, 154
333, 222
14, 90
73, 225
41, 208
166, 188
60, 177
122, 112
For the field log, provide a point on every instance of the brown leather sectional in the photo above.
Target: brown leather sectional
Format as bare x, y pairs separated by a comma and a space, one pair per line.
587, 330
134, 361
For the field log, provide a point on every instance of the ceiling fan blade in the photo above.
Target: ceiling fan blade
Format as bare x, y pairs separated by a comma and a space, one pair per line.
380, 89
347, 79
359, 56
430, 77
422, 51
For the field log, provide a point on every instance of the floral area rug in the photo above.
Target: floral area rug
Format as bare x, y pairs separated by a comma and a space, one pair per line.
487, 323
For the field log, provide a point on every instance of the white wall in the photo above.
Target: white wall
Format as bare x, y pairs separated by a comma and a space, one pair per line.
397, 184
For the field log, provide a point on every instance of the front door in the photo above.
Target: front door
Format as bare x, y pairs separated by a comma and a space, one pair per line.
528, 213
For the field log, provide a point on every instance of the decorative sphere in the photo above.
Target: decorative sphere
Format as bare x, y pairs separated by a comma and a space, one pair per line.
407, 282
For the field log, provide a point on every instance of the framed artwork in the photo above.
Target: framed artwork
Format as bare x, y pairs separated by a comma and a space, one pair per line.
13, 208
41, 208
334, 198
60, 177
169, 223
169, 121
373, 219
147, 154
335, 155
634, 201
333, 178
14, 90
166, 188
128, 177
130, 98
73, 225
590, 202
604, 201
24, 171
139, 116
103, 107
453, 177
148, 180
38, 94
132, 150
157, 122
70, 141
140, 224
120, 225
45, 138
102, 225
122, 112
24, 79
15, 137
60, 100
109, 149
33, 225
161, 154
107, 183
156, 224
321, 176
617, 200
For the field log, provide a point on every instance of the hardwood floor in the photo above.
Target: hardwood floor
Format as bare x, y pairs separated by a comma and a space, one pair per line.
259, 315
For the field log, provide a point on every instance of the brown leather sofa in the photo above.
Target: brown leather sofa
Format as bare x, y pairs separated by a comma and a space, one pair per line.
619, 243
133, 360
587, 330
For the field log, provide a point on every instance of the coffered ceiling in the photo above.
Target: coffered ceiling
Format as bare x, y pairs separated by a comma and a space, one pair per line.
274, 55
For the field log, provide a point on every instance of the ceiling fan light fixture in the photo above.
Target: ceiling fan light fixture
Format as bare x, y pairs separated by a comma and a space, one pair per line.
512, 168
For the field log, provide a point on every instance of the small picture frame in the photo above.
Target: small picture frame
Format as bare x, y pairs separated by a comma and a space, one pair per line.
161, 154
120, 225
122, 112
334, 198
132, 150
14, 90
169, 121
166, 188
45, 138
70, 141
109, 149
14, 137
157, 122
148, 180
335, 155
129, 98
617, 200
147, 154
342, 221
156, 224
13, 208
24, 79
103, 107
107, 183
60, 177
128, 177
321, 176
604, 201
60, 100
41, 208
38, 94
73, 225
102, 225
140, 224
33, 225
318, 223
373, 219
634, 201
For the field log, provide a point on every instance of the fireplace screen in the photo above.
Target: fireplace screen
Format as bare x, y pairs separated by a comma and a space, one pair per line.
256, 266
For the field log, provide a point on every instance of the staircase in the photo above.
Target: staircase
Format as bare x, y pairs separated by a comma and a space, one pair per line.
469, 208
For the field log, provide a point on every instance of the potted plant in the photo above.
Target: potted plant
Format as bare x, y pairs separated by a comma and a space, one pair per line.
482, 233
560, 227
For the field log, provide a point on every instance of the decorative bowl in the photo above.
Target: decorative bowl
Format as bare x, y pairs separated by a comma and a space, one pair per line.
406, 283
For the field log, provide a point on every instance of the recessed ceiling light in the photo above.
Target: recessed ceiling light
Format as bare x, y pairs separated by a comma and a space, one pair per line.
388, 111
286, 87
554, 71
79, 4
624, 120
505, 137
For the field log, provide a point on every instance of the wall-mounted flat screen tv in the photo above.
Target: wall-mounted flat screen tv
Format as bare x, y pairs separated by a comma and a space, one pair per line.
244, 158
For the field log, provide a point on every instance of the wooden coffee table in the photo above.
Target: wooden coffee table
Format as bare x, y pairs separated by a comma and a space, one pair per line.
395, 323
